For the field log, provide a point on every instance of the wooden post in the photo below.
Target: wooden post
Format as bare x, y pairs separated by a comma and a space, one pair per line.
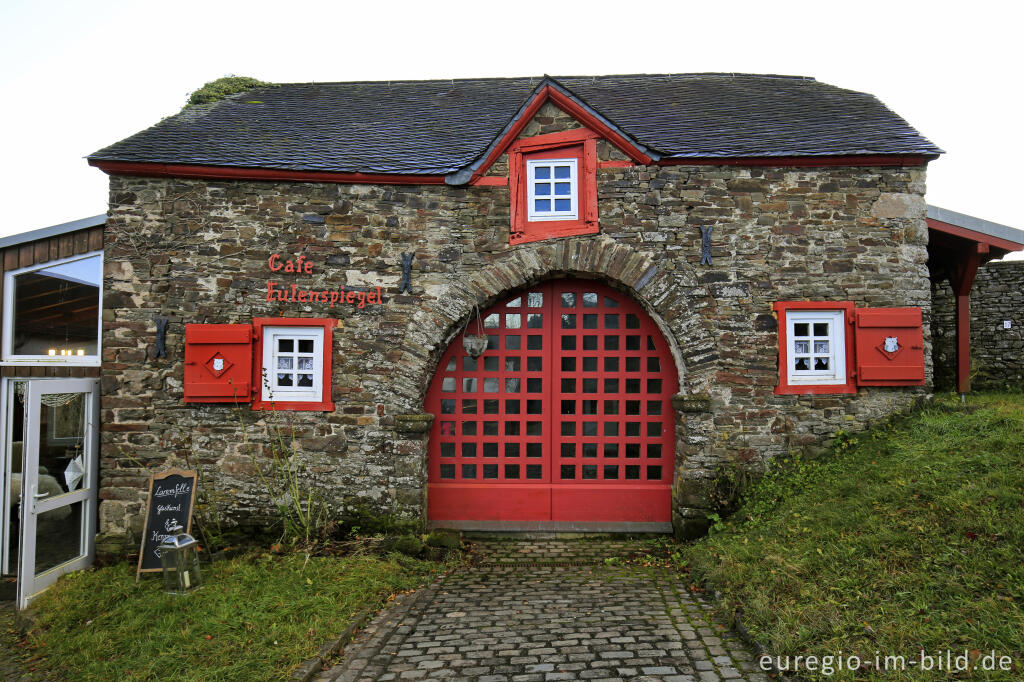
966, 269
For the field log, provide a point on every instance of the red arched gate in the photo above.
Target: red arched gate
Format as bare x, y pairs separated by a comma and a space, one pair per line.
566, 418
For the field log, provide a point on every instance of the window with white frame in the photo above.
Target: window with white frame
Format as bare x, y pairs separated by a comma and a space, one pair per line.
553, 190
816, 347
52, 312
293, 362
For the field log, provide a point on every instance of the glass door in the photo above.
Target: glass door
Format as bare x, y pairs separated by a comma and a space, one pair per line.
58, 481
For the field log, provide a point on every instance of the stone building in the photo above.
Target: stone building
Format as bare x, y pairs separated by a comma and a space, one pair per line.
675, 278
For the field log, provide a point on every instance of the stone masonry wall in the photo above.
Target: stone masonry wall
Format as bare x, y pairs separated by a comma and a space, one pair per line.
997, 354
196, 251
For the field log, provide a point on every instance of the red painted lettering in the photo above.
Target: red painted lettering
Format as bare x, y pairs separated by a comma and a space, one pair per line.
274, 263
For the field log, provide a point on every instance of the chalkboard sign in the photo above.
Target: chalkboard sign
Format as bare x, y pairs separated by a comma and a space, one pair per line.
169, 503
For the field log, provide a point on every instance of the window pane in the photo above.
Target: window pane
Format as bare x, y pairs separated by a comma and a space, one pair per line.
568, 300
491, 321
542, 172
491, 364
305, 345
512, 321
305, 363
801, 329
285, 346
563, 204
512, 364
562, 188
513, 342
535, 320
821, 328
821, 346
541, 204
284, 379
562, 172
821, 363
534, 342
535, 299
284, 363
802, 365
515, 302
569, 321
469, 385
305, 380
590, 300
542, 188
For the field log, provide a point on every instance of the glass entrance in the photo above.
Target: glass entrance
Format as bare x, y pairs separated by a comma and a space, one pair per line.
52, 463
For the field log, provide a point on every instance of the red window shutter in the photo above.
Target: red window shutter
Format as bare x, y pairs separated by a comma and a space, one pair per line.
889, 347
218, 363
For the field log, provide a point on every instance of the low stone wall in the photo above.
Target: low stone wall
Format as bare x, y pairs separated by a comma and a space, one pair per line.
997, 353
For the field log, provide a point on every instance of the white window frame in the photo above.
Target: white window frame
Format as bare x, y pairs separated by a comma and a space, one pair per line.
8, 356
574, 190
836, 374
272, 393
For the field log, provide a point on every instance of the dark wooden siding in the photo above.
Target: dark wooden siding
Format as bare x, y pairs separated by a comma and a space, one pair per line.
36, 253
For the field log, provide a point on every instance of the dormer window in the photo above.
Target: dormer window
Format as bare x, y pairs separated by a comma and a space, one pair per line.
553, 193
553, 185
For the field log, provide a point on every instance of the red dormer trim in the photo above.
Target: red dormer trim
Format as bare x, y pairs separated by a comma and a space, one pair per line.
569, 106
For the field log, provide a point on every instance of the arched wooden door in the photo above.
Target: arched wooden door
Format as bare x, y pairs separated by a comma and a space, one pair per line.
564, 421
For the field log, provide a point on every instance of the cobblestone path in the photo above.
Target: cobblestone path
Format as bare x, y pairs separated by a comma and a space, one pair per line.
548, 610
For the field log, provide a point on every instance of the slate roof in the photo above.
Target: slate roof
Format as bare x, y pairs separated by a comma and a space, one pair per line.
441, 126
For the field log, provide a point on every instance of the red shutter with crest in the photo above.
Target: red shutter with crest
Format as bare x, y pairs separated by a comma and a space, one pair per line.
889, 347
218, 363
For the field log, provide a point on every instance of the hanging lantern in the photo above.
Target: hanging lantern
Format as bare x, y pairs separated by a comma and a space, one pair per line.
475, 344
179, 554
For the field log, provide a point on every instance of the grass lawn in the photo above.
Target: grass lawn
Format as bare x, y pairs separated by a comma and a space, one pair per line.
256, 618
909, 537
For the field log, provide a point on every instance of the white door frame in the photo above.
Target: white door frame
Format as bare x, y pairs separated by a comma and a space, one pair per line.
30, 584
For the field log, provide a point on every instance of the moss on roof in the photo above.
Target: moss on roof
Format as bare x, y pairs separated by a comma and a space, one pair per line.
216, 90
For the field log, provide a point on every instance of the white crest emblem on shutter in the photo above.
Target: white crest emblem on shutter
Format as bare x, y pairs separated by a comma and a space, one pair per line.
891, 344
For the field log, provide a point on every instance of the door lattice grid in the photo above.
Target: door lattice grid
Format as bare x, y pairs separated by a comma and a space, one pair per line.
567, 412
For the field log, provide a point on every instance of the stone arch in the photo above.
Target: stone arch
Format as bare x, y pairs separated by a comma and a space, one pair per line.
668, 296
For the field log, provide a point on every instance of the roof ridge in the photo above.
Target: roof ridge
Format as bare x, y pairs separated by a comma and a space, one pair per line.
491, 79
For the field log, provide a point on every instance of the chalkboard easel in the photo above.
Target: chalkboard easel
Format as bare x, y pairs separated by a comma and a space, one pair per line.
168, 503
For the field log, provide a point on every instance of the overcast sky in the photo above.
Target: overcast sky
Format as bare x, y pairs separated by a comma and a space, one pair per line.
78, 76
